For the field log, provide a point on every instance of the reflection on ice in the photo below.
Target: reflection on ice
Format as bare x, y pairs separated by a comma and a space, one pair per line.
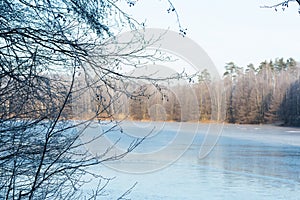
293, 131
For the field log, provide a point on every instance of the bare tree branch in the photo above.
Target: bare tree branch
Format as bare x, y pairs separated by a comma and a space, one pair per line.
284, 5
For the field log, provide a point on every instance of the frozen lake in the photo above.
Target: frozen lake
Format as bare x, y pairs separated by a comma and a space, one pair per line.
175, 162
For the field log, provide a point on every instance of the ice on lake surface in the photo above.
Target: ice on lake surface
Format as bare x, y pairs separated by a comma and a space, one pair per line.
247, 162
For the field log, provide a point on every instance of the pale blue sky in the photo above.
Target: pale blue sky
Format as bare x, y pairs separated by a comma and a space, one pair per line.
231, 30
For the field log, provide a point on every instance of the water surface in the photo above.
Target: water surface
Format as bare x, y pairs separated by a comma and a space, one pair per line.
247, 162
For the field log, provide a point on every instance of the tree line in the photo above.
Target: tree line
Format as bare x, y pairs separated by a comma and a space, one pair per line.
267, 93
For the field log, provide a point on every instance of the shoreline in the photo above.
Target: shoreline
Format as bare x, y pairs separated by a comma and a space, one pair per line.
276, 124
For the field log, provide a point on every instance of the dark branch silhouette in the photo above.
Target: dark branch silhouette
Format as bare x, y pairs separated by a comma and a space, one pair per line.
60, 62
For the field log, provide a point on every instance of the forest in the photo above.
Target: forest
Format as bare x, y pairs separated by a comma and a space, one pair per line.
268, 93
264, 94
